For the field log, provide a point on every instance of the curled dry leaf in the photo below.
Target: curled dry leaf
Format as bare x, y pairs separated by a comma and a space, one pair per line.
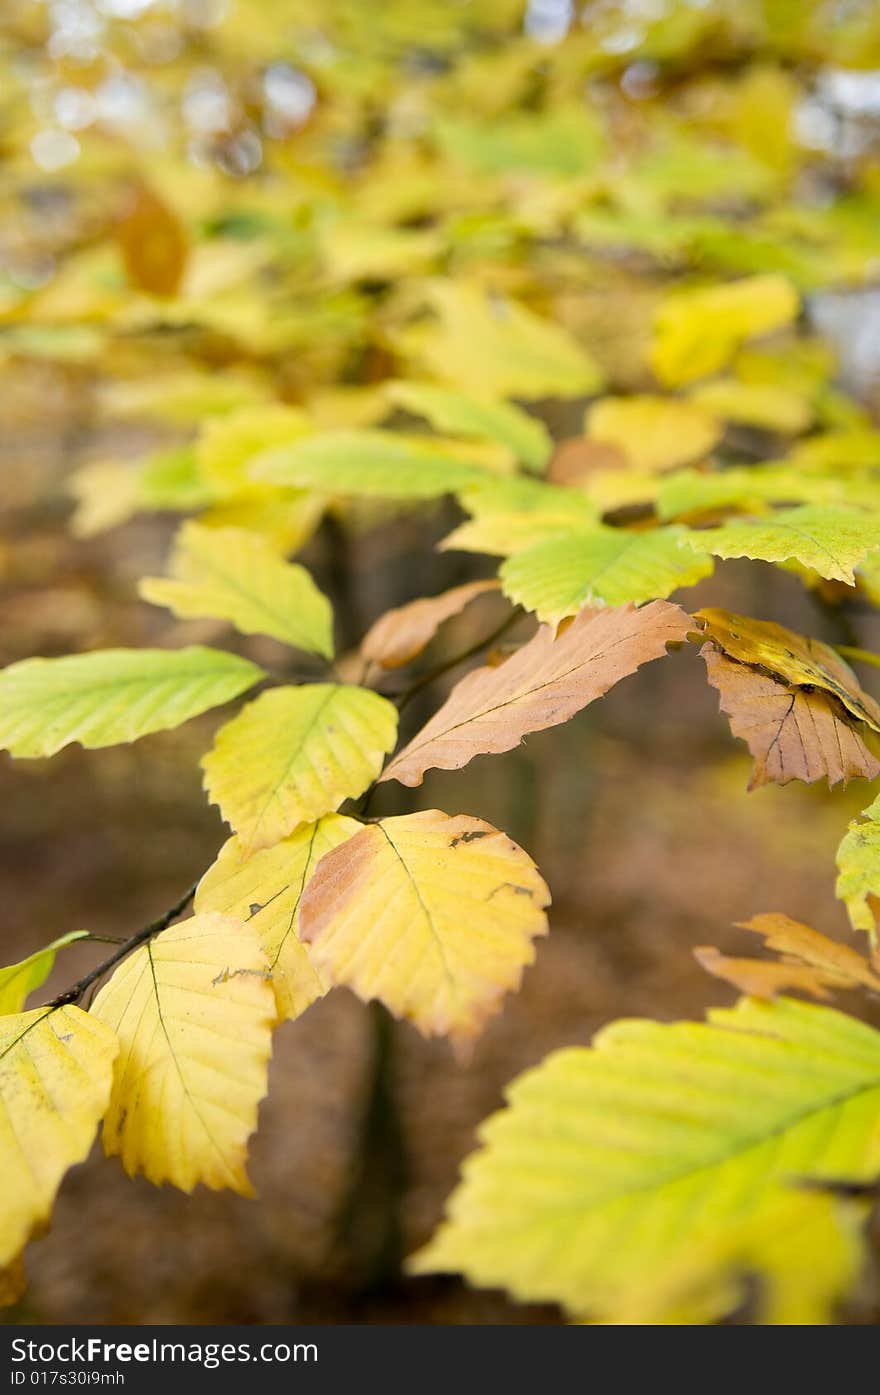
797, 659
793, 733
764, 978
431, 914
790, 937
401, 634
810, 962
543, 684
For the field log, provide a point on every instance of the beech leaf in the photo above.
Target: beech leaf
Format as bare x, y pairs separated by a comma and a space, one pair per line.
401, 634
432, 914
193, 1011
831, 540
542, 684
792, 733
294, 754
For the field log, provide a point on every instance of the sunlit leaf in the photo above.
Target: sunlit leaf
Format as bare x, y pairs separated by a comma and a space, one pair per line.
433, 915
294, 754
697, 332
113, 695
19, 980
833, 541
654, 433
193, 1011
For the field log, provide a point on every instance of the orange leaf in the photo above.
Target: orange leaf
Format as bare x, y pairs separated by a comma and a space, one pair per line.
793, 733
153, 245
401, 634
542, 684
764, 978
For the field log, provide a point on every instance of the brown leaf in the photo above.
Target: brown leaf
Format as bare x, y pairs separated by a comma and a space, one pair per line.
577, 458
786, 654
792, 939
401, 634
544, 683
793, 733
153, 245
764, 978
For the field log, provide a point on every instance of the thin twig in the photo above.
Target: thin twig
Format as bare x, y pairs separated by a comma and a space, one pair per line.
402, 699
76, 991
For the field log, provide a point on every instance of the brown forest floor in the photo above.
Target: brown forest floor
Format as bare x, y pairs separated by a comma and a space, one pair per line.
637, 813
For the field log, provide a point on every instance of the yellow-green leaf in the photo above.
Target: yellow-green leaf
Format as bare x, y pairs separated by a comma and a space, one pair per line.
769, 406
461, 414
612, 1168
265, 889
193, 1010
433, 915
238, 576
113, 695
655, 433
18, 980
696, 332
494, 347
55, 1073
605, 566
858, 862
380, 463
833, 541
294, 754
227, 444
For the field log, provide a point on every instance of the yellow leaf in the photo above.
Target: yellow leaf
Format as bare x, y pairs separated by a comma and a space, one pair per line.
655, 433
769, 406
265, 890
696, 332
227, 444
237, 576
193, 1010
55, 1073
294, 754
433, 915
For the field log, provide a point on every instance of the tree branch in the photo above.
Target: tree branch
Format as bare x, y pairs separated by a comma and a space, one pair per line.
76, 991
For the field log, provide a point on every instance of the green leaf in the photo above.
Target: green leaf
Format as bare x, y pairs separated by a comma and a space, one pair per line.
605, 566
858, 862
113, 695
369, 463
830, 540
294, 754
19, 980
511, 514
748, 488
613, 1169
238, 576
460, 414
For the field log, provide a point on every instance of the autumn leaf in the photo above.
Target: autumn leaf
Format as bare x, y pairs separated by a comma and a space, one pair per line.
371, 463
792, 733
462, 415
655, 433
433, 915
265, 890
193, 1011
767, 406
615, 1172
237, 576
113, 695
542, 684
697, 332
794, 940
19, 980
294, 754
153, 243
761, 978
602, 566
401, 634
833, 541
858, 862
55, 1073
806, 662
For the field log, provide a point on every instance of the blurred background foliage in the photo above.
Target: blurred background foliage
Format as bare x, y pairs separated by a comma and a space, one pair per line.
222, 220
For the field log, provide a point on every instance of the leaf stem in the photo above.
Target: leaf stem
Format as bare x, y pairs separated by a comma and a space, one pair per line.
76, 990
